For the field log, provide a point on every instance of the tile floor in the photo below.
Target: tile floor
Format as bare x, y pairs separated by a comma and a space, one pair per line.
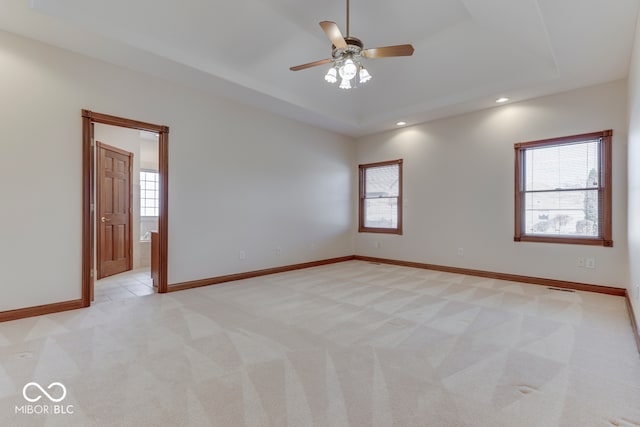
130, 284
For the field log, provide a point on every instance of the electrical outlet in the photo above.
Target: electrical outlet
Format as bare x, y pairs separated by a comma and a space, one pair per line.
377, 245
242, 255
637, 291
460, 251
590, 263
278, 250
580, 262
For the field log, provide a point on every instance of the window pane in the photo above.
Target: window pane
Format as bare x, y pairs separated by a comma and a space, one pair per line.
562, 213
381, 213
149, 193
562, 166
382, 181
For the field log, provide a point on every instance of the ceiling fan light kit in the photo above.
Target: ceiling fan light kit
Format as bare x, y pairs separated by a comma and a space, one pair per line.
346, 56
349, 71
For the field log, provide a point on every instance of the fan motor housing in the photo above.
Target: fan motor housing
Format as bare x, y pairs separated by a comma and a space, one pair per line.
354, 46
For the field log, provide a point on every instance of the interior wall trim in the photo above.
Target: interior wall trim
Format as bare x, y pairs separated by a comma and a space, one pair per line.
632, 315
609, 290
250, 274
39, 310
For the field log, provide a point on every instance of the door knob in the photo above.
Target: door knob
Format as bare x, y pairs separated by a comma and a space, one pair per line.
103, 219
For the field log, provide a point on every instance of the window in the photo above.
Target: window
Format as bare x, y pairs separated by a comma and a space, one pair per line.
381, 197
149, 190
563, 190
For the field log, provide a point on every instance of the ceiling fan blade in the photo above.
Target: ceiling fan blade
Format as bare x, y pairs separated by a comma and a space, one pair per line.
310, 64
333, 32
387, 51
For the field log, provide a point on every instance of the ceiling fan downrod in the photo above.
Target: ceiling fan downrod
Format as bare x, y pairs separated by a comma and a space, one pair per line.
347, 18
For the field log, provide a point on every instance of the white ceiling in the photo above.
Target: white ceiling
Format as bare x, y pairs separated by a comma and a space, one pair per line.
467, 52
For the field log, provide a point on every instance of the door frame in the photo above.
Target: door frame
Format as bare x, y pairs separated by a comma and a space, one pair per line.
89, 118
99, 144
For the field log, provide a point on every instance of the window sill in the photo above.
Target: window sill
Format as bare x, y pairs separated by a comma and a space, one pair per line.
380, 230
566, 240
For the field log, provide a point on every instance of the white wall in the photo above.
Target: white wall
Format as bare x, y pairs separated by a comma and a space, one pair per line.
239, 178
459, 187
281, 184
634, 175
149, 153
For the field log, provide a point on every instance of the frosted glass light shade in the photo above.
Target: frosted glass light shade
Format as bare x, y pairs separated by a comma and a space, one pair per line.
348, 70
331, 75
364, 75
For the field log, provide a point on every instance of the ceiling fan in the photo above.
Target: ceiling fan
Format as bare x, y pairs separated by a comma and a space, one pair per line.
347, 53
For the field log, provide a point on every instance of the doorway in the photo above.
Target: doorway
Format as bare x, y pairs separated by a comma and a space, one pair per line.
90, 207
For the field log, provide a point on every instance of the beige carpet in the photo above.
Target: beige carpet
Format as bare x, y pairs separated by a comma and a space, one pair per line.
350, 344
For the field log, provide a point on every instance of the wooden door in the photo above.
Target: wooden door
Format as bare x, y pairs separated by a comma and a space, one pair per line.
113, 188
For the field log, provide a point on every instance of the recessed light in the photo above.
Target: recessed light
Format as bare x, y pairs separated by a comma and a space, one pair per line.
501, 100
401, 123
